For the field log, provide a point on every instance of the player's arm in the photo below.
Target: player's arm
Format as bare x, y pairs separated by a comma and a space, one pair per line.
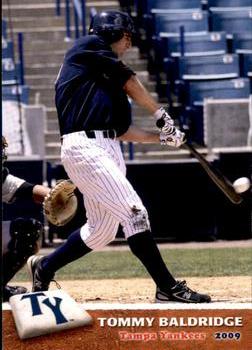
15, 188
29, 191
39, 193
169, 134
134, 134
135, 90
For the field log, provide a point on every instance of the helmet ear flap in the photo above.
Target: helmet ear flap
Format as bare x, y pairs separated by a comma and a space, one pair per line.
111, 35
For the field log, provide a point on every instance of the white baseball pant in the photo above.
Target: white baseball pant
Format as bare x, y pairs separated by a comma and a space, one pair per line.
97, 168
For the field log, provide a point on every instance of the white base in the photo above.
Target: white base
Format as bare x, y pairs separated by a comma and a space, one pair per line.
46, 312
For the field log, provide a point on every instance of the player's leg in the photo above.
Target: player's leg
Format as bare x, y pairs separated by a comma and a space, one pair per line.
141, 242
101, 226
99, 230
144, 247
98, 176
137, 231
108, 185
93, 178
43, 268
126, 207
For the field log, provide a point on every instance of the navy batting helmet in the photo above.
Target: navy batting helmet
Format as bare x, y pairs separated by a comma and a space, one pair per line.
111, 25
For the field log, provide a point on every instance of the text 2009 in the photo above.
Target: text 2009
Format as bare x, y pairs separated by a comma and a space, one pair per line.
227, 335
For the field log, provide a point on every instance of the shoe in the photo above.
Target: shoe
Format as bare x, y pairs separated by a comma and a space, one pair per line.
40, 280
9, 291
181, 293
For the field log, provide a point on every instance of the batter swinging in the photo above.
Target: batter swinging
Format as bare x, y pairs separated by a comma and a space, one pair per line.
94, 115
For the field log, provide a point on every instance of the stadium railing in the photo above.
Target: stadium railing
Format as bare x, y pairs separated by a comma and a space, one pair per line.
75, 12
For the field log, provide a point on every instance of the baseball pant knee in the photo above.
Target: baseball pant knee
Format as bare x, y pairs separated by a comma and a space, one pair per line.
96, 239
138, 221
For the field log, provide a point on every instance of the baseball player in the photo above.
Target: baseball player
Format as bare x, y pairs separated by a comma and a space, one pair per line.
20, 236
94, 114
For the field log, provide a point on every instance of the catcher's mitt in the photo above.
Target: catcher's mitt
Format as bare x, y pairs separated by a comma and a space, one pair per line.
60, 205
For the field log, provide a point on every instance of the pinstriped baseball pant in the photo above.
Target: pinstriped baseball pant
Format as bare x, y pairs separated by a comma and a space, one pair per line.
97, 168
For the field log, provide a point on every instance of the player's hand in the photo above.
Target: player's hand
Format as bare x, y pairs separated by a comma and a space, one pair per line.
169, 134
174, 138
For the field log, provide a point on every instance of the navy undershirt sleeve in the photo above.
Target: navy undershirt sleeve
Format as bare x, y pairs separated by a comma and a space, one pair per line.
25, 191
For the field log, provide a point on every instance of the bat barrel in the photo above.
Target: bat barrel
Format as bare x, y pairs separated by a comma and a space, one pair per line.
217, 177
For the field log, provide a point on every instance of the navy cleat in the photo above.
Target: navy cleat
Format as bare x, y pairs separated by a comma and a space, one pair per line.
181, 293
40, 279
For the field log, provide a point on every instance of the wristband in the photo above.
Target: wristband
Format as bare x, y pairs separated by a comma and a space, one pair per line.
160, 113
25, 191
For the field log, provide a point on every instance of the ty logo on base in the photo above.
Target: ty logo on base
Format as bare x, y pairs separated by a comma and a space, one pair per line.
35, 300
46, 312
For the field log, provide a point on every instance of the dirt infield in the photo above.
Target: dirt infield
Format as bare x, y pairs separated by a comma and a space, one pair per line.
96, 337
135, 290
229, 290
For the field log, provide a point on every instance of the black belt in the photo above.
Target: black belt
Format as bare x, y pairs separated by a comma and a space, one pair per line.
107, 134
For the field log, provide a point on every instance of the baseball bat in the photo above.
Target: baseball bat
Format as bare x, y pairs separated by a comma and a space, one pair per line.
217, 177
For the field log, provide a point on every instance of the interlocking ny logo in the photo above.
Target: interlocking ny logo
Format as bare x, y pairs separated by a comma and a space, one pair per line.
36, 310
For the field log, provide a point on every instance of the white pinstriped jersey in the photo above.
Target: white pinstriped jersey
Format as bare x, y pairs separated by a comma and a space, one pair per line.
97, 167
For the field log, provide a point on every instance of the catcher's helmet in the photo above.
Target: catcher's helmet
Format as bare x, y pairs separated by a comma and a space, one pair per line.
111, 25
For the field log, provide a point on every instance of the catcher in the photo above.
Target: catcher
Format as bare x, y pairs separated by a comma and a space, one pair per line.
20, 237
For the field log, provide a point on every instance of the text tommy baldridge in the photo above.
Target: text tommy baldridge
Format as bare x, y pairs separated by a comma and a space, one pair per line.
170, 322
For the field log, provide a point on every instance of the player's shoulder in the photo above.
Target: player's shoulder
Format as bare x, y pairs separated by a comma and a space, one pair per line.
91, 42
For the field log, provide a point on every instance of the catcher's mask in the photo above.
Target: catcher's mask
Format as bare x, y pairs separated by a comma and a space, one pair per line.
4, 149
111, 25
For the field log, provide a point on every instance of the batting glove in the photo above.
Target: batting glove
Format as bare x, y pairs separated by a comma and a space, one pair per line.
169, 134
